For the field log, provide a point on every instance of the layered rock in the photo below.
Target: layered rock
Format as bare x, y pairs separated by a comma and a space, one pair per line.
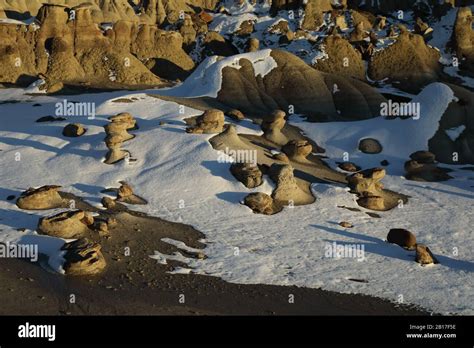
247, 173
272, 126
211, 121
117, 133
83, 257
42, 198
71, 224
409, 61
287, 191
366, 184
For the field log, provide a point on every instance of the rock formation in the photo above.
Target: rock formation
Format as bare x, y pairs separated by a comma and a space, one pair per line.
211, 121
409, 61
73, 130
272, 126
247, 173
287, 191
424, 255
261, 203
83, 257
423, 167
297, 150
42, 198
70, 224
366, 184
117, 133
402, 237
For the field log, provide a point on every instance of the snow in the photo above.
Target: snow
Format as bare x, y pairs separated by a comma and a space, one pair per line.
454, 133
174, 167
206, 80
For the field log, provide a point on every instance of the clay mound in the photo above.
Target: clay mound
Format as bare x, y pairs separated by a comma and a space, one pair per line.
287, 191
319, 95
409, 61
83, 257
343, 58
45, 197
71, 224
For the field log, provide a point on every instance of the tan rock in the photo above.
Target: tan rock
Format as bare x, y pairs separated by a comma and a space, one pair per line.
45, 197
297, 150
260, 203
424, 255
272, 126
247, 173
83, 257
64, 225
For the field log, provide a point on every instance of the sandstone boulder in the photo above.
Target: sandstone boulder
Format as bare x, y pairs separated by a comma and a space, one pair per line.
424, 255
73, 130
247, 173
45, 197
83, 257
70, 224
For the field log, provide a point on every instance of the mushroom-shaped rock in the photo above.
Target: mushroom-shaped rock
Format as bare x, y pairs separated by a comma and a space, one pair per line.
211, 121
297, 150
70, 224
45, 197
83, 257
272, 126
287, 191
366, 184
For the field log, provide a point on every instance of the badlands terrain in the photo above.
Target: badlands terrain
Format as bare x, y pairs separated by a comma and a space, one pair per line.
236, 157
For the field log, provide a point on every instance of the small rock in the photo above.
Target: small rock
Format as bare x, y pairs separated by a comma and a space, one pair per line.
424, 255
236, 115
260, 203
83, 257
44, 197
73, 130
247, 173
423, 157
402, 237
349, 167
384, 163
281, 157
370, 146
50, 119
108, 202
346, 224
10, 198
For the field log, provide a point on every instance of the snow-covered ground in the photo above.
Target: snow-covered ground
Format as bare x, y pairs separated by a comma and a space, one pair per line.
179, 174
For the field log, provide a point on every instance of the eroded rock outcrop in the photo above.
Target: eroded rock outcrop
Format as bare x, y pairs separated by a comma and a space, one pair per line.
70, 224
42, 198
287, 191
83, 257
272, 126
366, 184
117, 133
211, 121
247, 173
